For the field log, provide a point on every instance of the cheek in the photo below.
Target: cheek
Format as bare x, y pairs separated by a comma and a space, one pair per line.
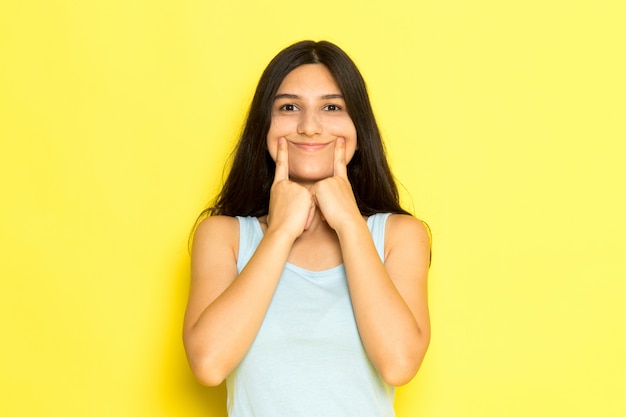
350, 150
272, 145
352, 145
277, 129
272, 139
348, 131
340, 126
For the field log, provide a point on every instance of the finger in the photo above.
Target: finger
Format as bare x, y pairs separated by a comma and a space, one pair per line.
316, 203
282, 161
309, 219
340, 169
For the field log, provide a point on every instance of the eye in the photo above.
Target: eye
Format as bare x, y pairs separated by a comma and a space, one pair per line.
332, 107
288, 107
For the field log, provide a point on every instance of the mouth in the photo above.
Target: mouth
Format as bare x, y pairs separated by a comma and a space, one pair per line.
310, 146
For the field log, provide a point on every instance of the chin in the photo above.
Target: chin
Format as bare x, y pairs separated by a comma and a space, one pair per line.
309, 177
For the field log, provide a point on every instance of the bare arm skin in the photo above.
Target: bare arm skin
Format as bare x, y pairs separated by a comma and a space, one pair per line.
225, 310
390, 299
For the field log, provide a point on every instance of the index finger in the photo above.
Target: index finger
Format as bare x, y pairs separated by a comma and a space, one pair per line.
282, 161
340, 169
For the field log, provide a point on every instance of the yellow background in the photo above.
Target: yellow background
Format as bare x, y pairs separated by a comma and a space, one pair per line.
504, 121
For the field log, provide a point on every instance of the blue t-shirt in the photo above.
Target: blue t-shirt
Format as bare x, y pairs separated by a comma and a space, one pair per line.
307, 359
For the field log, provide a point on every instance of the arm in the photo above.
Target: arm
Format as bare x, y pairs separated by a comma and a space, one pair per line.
390, 299
225, 310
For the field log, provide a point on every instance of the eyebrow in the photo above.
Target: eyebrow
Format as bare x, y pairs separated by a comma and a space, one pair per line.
296, 97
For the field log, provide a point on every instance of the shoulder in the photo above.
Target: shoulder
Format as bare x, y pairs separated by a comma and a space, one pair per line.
399, 223
215, 231
216, 224
405, 231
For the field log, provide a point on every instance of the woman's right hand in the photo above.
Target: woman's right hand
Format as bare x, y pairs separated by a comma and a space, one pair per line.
226, 305
292, 206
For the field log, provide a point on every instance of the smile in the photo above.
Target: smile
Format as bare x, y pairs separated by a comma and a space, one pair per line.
310, 147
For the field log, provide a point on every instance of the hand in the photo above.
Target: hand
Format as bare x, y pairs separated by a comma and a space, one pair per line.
334, 195
291, 205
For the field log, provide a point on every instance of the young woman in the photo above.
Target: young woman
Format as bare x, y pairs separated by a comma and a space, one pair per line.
309, 281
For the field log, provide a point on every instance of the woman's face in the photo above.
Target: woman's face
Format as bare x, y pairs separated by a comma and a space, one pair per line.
310, 113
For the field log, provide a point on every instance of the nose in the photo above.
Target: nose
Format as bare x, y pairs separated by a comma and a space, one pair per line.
309, 124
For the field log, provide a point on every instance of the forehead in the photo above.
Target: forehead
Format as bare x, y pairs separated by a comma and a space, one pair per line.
313, 78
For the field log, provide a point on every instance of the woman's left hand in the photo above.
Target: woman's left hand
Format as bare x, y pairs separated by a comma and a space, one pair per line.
334, 195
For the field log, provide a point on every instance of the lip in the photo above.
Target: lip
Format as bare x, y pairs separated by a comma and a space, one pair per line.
310, 146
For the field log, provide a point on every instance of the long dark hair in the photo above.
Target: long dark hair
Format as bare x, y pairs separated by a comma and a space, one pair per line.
246, 191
